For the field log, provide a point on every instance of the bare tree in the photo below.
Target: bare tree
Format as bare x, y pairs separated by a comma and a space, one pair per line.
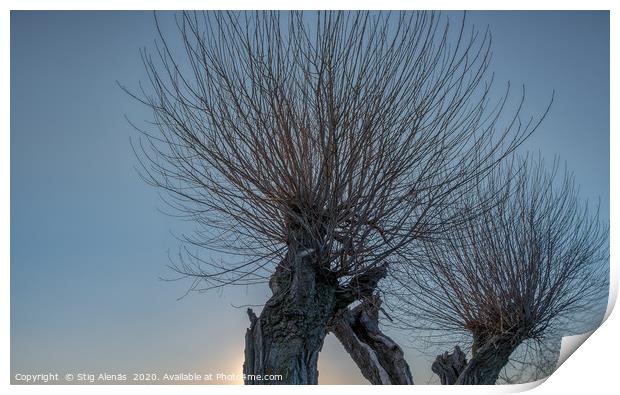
527, 268
309, 148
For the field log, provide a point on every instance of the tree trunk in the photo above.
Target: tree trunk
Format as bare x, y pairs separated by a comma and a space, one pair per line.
449, 366
287, 337
488, 360
378, 357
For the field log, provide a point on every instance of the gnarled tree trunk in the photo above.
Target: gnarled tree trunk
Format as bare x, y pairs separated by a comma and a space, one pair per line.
378, 357
449, 366
488, 361
288, 335
489, 357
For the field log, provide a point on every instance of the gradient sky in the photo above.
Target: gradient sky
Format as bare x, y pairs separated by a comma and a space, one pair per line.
88, 243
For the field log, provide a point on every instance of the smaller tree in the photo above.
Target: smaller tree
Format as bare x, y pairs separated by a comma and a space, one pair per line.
528, 268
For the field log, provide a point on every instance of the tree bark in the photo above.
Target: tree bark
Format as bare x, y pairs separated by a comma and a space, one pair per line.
379, 358
488, 360
287, 337
449, 366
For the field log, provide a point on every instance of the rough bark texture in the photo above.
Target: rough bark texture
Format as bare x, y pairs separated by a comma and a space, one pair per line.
378, 357
449, 366
488, 359
287, 337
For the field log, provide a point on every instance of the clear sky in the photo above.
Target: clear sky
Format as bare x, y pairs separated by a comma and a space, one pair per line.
88, 243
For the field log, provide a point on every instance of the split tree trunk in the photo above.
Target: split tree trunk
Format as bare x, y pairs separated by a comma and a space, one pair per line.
378, 357
449, 366
488, 360
288, 335
286, 338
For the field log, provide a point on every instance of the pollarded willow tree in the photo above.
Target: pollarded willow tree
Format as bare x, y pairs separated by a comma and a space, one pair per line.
531, 266
311, 147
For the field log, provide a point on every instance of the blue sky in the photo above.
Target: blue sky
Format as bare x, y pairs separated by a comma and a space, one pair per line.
88, 243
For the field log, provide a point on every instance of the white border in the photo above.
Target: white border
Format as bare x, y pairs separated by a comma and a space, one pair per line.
593, 370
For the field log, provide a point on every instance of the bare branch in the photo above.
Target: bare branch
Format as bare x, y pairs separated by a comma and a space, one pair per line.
359, 128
